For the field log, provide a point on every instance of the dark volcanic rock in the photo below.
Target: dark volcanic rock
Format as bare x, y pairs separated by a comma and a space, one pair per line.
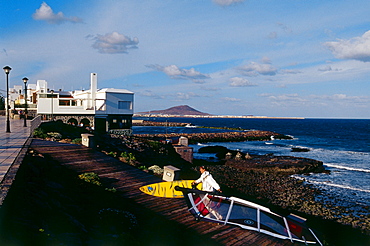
287, 165
213, 149
298, 149
238, 136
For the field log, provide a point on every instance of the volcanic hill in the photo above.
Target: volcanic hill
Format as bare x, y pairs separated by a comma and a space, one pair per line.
177, 110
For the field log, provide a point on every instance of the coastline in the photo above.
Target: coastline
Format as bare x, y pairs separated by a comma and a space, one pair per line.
302, 197
219, 136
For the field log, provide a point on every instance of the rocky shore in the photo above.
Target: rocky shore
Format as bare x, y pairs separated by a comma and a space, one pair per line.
268, 179
157, 123
219, 136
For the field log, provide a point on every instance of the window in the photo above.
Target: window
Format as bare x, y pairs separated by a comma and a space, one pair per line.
124, 105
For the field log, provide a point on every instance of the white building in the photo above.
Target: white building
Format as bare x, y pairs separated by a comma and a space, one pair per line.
101, 109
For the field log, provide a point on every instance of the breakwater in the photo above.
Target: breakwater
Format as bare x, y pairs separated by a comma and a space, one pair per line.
157, 123
219, 136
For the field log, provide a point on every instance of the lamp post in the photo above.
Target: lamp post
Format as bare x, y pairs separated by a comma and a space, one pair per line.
25, 101
52, 99
7, 71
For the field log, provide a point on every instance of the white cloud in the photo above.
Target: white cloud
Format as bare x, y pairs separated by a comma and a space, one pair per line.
290, 71
284, 97
209, 88
185, 96
286, 100
227, 2
45, 13
327, 68
357, 48
254, 68
149, 93
239, 82
175, 72
266, 60
114, 43
294, 99
231, 99
342, 97
272, 35
284, 27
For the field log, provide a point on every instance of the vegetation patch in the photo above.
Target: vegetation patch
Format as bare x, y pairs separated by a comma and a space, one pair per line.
90, 177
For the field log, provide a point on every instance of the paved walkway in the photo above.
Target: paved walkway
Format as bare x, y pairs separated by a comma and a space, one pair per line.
13, 146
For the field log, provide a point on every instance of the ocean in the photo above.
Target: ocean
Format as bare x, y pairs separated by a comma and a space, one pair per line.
343, 145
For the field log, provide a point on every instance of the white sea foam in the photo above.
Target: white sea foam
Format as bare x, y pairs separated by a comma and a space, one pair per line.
342, 152
338, 186
348, 168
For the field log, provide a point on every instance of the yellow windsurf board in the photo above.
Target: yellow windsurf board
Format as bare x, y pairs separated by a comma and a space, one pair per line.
167, 189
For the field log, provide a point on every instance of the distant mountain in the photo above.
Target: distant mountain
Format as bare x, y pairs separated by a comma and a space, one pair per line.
177, 110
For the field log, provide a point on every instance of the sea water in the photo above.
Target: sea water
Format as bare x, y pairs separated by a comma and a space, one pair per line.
343, 145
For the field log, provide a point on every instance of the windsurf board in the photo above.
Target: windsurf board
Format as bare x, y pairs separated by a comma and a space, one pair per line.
167, 189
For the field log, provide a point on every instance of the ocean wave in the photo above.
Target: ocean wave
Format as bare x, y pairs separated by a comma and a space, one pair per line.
342, 152
338, 186
348, 168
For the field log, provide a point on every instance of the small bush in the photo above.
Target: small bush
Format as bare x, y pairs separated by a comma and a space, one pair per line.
113, 154
129, 157
77, 141
156, 169
39, 133
54, 135
90, 177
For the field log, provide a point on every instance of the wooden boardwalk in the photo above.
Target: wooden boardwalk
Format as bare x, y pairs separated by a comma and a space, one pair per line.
127, 180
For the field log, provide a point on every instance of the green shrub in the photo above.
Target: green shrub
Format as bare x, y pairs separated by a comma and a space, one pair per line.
113, 154
156, 169
54, 135
39, 133
90, 177
129, 157
111, 189
77, 141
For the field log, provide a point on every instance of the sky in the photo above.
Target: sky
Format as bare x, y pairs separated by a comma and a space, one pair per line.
291, 58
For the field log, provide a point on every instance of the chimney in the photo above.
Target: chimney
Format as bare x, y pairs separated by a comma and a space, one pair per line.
93, 88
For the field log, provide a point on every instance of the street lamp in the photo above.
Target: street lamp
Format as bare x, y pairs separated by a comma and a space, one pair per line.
25, 101
7, 71
52, 99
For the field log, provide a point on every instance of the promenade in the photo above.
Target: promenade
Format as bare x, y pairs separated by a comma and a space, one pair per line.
13, 147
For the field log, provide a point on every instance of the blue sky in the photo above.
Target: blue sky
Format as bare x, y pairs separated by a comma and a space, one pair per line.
226, 57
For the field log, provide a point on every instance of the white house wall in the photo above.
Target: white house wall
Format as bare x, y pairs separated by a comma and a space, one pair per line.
112, 103
47, 106
106, 103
